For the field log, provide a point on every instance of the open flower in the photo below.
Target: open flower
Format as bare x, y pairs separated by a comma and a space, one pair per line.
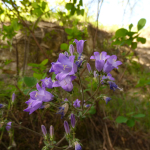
77, 146
47, 82
64, 66
76, 103
41, 94
65, 83
107, 99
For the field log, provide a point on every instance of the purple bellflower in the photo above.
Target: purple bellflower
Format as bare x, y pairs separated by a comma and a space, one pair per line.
33, 105
65, 83
108, 77
79, 45
77, 146
41, 94
8, 127
76, 103
73, 121
71, 49
66, 54
37, 98
47, 82
43, 130
65, 99
66, 126
64, 66
51, 132
107, 99
100, 56
89, 68
13, 97
100, 59
112, 60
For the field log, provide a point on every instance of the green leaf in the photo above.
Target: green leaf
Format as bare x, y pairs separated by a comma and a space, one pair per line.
69, 6
30, 81
134, 45
64, 46
80, 3
44, 62
68, 31
141, 23
130, 123
130, 26
139, 116
82, 12
142, 40
121, 119
43, 5
92, 111
121, 32
37, 76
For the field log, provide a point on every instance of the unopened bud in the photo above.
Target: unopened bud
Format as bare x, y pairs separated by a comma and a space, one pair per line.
51, 132
89, 68
73, 121
43, 130
66, 126
71, 49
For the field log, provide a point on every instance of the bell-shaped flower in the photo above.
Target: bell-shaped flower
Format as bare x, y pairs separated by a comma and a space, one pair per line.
41, 94
33, 105
108, 77
76, 103
99, 64
100, 56
113, 61
47, 82
79, 45
65, 83
1, 105
79, 60
108, 67
64, 66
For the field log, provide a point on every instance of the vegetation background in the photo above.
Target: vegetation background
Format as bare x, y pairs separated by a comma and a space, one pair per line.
34, 32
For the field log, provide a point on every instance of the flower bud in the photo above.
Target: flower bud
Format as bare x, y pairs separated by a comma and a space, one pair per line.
8, 127
73, 121
89, 68
13, 97
43, 130
71, 49
1, 105
66, 126
51, 132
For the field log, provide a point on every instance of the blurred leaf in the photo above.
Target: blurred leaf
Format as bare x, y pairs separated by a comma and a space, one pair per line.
30, 81
141, 23
134, 45
139, 116
64, 46
53, 76
69, 6
130, 122
37, 76
130, 26
92, 111
121, 119
142, 40
68, 31
44, 62
121, 32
